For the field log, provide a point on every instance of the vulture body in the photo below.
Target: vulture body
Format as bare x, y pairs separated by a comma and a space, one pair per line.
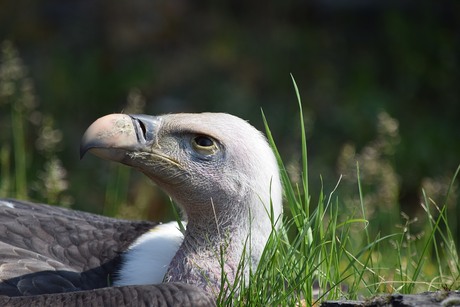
218, 169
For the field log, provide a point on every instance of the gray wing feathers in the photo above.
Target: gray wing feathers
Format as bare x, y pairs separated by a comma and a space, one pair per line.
168, 294
50, 256
46, 249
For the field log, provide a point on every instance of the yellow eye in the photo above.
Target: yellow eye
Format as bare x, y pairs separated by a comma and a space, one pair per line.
204, 145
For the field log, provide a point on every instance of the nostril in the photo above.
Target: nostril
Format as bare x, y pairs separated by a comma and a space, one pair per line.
143, 129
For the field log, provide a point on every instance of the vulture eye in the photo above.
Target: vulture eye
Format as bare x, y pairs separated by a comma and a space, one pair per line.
203, 141
204, 145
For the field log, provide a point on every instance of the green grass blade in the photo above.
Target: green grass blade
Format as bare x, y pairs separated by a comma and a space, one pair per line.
304, 148
19, 150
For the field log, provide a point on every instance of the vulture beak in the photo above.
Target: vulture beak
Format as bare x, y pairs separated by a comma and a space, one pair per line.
112, 136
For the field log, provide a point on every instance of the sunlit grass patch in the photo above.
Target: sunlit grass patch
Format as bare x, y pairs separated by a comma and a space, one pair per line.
325, 251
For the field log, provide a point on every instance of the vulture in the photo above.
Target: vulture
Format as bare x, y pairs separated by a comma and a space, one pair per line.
220, 171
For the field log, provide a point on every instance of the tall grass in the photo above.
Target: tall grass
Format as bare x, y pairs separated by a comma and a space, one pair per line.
322, 252
13, 84
28, 169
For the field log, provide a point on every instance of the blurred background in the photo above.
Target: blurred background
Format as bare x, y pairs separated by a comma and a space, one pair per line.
379, 82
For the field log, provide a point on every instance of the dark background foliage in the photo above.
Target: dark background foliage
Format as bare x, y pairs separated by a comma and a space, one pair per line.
353, 60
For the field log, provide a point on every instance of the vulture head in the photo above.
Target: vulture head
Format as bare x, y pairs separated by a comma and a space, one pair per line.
218, 168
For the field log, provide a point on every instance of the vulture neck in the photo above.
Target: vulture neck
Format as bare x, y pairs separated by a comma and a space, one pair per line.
210, 243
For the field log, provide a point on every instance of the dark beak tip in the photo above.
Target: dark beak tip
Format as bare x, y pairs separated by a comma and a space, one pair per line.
86, 145
82, 153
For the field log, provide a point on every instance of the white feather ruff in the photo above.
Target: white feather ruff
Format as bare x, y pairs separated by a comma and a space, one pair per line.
148, 258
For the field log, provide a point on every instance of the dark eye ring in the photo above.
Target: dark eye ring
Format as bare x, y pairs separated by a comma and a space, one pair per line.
204, 141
